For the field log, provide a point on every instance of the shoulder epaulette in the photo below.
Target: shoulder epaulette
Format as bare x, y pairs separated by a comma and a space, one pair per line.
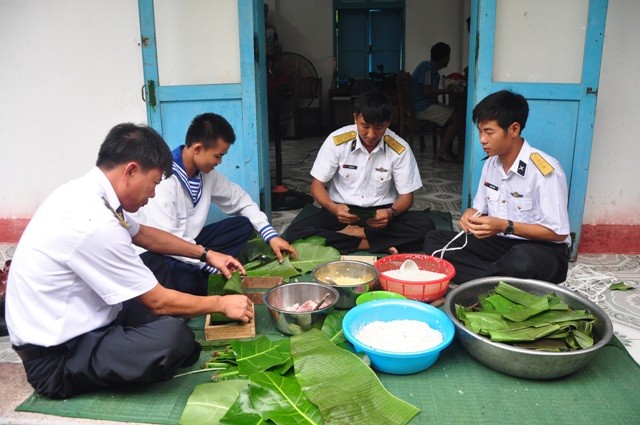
394, 144
542, 164
344, 137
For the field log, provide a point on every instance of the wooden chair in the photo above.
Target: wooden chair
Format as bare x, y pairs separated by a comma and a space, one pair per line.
409, 124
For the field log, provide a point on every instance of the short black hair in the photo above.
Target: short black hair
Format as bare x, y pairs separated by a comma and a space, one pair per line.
374, 106
129, 142
439, 51
207, 128
506, 107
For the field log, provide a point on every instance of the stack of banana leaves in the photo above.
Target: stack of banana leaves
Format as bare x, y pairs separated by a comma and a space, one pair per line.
510, 315
261, 261
311, 378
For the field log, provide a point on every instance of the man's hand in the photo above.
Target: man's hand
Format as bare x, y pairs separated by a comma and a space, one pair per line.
225, 263
381, 219
481, 226
237, 307
278, 245
341, 211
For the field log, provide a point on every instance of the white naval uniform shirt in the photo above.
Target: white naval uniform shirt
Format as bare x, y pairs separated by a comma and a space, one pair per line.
366, 179
172, 210
524, 194
73, 266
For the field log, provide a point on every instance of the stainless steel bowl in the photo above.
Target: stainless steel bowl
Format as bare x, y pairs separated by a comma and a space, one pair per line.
332, 273
521, 362
279, 298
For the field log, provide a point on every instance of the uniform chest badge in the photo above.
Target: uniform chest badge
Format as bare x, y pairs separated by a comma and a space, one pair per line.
118, 215
491, 186
381, 170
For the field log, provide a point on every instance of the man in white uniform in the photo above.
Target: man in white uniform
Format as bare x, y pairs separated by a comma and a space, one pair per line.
372, 175
182, 203
83, 311
523, 229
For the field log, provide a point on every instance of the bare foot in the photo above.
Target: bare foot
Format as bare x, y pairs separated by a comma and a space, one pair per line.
393, 250
356, 231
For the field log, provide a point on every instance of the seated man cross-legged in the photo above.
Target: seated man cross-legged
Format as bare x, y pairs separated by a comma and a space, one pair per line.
83, 311
519, 223
182, 202
372, 174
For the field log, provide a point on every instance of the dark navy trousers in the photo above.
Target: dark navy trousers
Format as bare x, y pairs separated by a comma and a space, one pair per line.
137, 347
500, 256
228, 236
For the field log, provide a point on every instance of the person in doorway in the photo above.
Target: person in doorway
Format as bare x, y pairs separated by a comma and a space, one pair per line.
182, 203
82, 309
519, 223
426, 89
372, 174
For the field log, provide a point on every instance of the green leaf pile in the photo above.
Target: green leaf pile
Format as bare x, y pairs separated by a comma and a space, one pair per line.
510, 315
305, 379
312, 252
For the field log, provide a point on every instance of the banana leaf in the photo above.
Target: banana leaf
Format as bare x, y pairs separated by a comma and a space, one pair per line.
620, 286
280, 399
553, 316
555, 303
209, 402
545, 344
257, 248
583, 340
344, 388
332, 327
316, 240
311, 255
536, 307
517, 295
502, 304
481, 322
274, 268
259, 354
527, 334
242, 412
233, 284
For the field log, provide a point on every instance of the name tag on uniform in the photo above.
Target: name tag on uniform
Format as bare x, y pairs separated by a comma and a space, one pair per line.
351, 167
491, 186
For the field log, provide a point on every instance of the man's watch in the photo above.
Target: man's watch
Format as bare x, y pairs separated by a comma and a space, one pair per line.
509, 229
203, 256
394, 212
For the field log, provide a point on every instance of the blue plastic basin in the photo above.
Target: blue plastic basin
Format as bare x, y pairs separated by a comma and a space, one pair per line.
398, 363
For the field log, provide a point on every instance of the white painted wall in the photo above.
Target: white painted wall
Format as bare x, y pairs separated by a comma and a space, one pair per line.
71, 69
613, 190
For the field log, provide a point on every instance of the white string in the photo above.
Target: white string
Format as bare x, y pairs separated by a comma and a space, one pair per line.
446, 247
462, 232
588, 281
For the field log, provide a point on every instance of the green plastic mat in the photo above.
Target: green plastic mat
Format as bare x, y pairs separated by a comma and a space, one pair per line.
456, 389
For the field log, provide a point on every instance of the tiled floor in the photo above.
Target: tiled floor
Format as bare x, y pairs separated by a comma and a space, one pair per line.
441, 191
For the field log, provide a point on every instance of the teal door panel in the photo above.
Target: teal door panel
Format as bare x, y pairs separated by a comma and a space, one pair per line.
561, 114
171, 108
386, 40
353, 44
